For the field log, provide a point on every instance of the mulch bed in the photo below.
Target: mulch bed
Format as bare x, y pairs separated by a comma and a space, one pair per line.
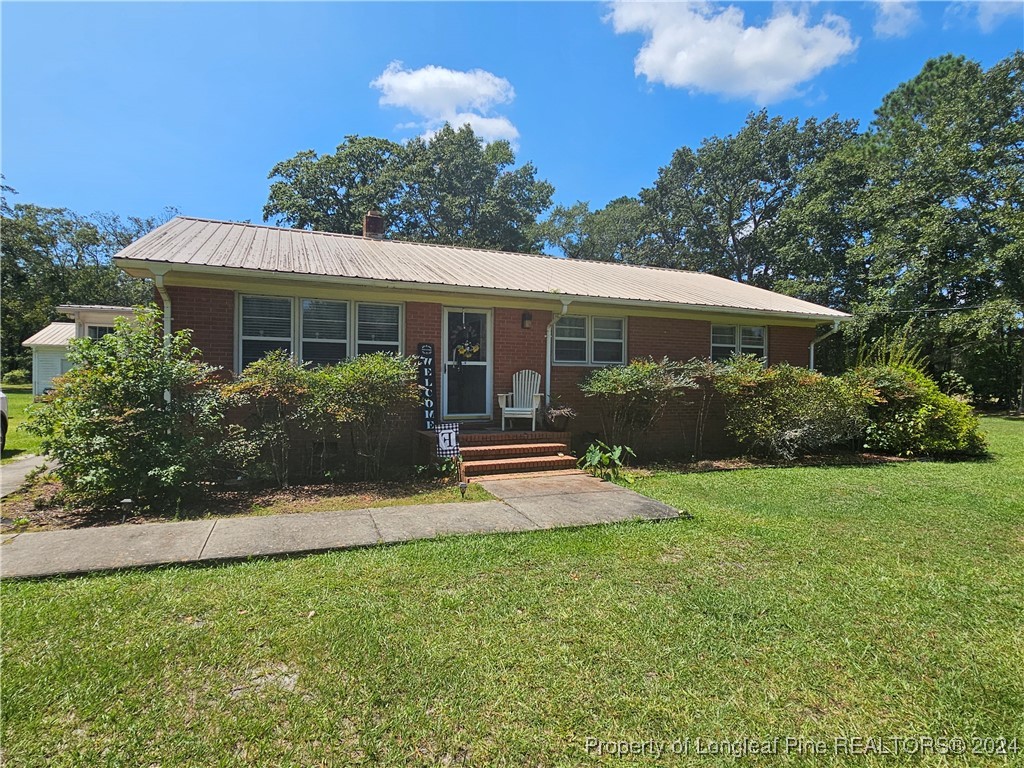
38, 508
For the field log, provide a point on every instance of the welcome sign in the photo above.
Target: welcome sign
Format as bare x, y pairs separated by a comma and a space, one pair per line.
425, 352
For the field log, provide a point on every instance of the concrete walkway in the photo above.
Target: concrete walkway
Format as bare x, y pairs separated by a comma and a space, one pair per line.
12, 475
527, 504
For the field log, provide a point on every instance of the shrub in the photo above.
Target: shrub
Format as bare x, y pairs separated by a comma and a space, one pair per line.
785, 411
110, 427
17, 376
369, 392
632, 397
272, 393
910, 415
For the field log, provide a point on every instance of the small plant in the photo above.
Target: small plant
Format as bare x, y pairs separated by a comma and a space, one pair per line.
448, 469
607, 463
558, 415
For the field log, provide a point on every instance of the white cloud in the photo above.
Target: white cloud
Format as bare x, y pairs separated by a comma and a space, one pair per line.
439, 95
894, 18
987, 14
704, 47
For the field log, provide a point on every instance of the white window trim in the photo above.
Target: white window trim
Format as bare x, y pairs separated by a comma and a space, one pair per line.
297, 337
738, 344
90, 326
589, 327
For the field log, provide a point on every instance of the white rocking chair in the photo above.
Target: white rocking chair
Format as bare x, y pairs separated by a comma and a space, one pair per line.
523, 402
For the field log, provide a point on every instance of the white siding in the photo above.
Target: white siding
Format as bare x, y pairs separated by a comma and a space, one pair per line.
47, 364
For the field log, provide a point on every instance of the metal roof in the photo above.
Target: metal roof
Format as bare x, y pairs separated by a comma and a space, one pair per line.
189, 244
53, 335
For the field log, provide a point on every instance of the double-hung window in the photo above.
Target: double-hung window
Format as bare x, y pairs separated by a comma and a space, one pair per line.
590, 340
324, 331
266, 326
727, 340
377, 328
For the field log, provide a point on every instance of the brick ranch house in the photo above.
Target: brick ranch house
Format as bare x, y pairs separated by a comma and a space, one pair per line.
245, 289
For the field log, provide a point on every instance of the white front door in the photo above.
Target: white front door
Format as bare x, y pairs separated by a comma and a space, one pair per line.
466, 375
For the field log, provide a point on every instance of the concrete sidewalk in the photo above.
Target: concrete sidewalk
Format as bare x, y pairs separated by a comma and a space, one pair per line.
13, 474
527, 504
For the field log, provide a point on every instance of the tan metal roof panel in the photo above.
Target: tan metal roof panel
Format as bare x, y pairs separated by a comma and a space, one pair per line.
185, 242
53, 335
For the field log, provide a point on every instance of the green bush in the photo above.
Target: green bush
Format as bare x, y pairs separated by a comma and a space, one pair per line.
369, 392
287, 405
110, 427
270, 393
910, 416
631, 398
784, 411
17, 376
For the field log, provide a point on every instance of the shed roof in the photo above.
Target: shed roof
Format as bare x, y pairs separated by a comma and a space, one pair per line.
192, 244
53, 335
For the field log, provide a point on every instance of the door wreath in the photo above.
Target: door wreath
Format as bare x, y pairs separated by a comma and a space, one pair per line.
465, 343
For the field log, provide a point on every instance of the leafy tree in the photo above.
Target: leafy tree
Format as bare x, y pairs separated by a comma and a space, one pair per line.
715, 209
450, 188
613, 233
943, 211
332, 193
53, 256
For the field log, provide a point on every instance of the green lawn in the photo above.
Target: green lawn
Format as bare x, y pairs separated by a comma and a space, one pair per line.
807, 603
19, 442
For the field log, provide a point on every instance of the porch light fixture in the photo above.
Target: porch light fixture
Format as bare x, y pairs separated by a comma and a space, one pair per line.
527, 320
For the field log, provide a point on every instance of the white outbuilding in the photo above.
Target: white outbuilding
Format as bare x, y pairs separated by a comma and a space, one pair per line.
50, 345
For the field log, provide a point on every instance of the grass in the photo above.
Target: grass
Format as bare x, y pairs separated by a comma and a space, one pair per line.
19, 442
805, 602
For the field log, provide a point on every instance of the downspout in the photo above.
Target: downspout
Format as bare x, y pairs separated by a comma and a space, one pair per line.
835, 329
165, 296
550, 352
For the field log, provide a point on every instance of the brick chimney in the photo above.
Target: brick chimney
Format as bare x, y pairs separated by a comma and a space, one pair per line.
373, 225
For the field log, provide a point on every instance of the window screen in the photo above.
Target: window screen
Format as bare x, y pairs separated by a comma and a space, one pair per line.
609, 340
324, 331
266, 326
377, 328
571, 340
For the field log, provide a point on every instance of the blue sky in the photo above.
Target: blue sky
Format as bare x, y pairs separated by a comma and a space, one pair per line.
130, 107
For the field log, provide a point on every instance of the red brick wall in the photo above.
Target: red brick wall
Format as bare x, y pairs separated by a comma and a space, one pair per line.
660, 337
788, 344
210, 313
517, 348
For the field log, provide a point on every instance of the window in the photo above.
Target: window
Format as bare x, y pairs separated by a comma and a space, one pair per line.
727, 340
571, 340
95, 332
590, 340
377, 328
609, 340
266, 326
324, 331
316, 331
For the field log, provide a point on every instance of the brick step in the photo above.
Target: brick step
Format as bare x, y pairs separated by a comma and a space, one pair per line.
522, 464
467, 439
511, 450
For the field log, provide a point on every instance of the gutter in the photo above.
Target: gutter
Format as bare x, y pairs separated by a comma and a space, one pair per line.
158, 281
549, 333
835, 329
